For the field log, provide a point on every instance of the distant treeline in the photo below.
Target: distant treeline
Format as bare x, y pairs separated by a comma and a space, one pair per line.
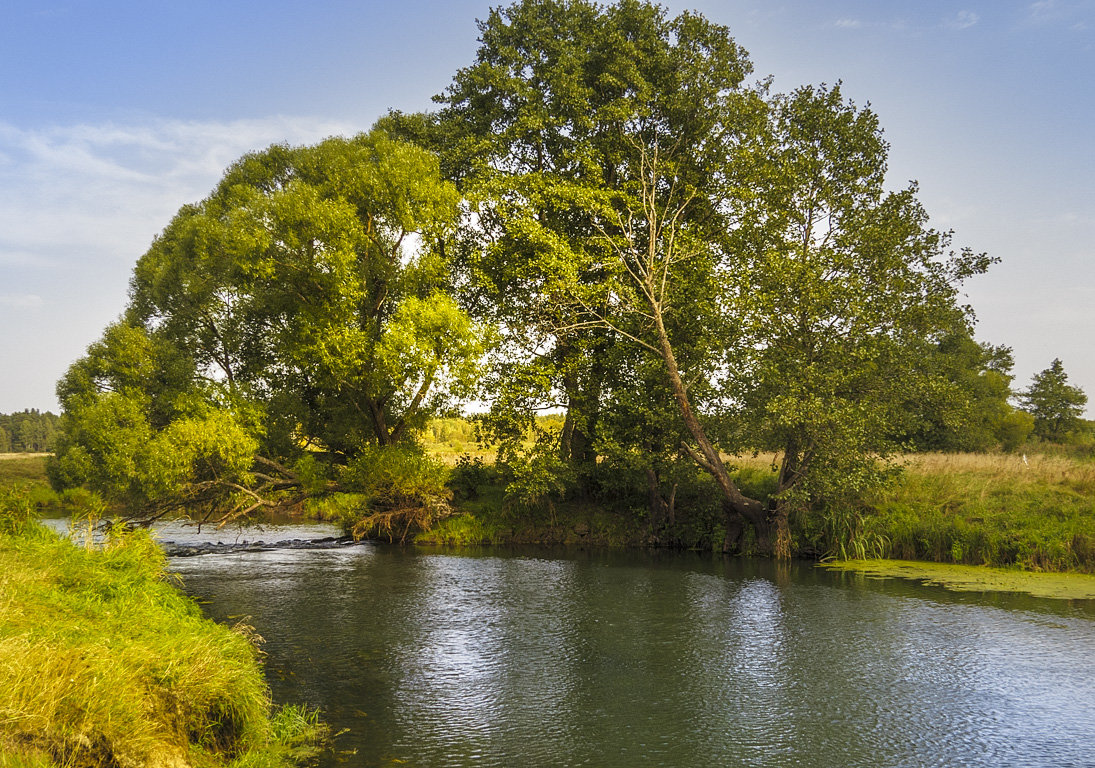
30, 431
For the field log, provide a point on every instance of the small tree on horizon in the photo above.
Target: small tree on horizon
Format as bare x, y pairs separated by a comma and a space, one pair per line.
1055, 404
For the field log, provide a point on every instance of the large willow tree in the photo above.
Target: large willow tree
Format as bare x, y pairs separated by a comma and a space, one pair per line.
298, 318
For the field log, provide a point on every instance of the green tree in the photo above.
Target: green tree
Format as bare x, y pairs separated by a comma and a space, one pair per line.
966, 406
808, 319
1055, 404
29, 431
302, 310
636, 202
845, 290
539, 127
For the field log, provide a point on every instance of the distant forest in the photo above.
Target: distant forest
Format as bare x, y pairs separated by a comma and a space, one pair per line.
28, 432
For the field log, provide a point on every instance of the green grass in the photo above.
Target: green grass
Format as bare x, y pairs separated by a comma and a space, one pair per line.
27, 471
104, 662
997, 510
1036, 514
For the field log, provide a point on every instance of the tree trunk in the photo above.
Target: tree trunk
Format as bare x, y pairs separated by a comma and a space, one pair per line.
737, 507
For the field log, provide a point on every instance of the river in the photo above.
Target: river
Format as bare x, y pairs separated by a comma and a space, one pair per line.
571, 658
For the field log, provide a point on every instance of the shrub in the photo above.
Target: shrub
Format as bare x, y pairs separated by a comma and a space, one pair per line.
404, 492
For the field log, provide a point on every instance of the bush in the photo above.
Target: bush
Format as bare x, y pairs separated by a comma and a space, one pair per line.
403, 490
468, 476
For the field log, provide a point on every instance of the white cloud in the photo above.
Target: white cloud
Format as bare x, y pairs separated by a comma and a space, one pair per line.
1075, 14
67, 192
896, 25
22, 301
1044, 9
79, 204
962, 20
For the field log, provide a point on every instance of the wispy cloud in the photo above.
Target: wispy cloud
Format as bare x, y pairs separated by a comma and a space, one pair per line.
21, 301
68, 193
962, 20
1074, 14
79, 204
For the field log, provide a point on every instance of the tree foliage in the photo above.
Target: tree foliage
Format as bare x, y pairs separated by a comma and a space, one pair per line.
28, 431
688, 265
303, 309
744, 242
538, 129
966, 405
1055, 404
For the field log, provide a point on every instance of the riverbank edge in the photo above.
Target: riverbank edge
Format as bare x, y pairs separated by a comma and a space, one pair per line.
956, 577
999, 510
104, 661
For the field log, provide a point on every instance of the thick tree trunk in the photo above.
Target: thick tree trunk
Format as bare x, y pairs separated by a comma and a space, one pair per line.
583, 404
380, 424
795, 457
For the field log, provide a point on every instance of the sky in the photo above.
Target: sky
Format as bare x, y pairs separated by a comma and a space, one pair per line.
115, 114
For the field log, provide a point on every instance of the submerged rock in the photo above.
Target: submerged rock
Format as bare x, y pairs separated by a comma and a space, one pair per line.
190, 549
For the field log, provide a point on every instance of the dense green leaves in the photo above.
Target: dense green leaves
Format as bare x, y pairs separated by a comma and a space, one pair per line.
738, 249
303, 306
1055, 404
688, 265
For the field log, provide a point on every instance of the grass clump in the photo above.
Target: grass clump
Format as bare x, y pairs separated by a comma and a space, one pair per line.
104, 663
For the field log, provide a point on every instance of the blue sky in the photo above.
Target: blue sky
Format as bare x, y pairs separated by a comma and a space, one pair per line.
114, 114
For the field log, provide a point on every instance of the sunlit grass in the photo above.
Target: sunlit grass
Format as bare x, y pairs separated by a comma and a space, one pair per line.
27, 470
104, 662
1036, 512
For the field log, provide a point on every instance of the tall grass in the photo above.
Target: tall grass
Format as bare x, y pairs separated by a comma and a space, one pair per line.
104, 662
1035, 512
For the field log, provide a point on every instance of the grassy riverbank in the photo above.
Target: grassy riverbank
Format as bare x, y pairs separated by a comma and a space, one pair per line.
103, 662
1035, 513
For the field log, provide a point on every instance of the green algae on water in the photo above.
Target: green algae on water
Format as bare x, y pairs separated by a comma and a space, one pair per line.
976, 578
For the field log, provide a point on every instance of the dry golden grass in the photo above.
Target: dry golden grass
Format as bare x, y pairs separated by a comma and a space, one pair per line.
987, 473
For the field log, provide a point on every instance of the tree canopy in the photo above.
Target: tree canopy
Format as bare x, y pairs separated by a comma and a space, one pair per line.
735, 250
1055, 404
302, 310
604, 217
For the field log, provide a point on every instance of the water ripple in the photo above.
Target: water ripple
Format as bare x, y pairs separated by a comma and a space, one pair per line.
457, 660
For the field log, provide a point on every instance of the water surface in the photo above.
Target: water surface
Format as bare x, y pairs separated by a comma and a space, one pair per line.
667, 659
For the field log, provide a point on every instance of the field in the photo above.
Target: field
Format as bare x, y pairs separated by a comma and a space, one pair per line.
25, 468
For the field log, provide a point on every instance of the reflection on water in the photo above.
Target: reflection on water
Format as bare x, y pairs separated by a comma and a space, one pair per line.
434, 659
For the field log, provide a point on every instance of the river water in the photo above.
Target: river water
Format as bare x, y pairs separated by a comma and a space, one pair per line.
553, 658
